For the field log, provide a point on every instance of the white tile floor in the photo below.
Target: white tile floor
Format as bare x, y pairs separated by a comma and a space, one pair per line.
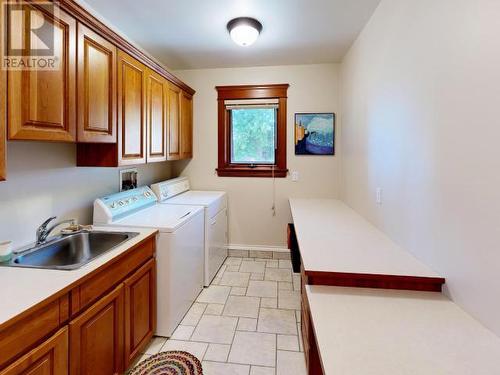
245, 323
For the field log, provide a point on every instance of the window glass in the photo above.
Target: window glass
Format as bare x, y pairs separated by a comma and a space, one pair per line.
253, 135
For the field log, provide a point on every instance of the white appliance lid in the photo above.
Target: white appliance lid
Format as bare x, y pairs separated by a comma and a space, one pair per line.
196, 197
166, 218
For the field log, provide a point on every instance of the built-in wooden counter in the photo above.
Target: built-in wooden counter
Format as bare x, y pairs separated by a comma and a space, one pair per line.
362, 331
338, 247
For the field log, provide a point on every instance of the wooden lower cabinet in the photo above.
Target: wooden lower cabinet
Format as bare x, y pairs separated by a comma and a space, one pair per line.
96, 337
49, 358
140, 310
98, 326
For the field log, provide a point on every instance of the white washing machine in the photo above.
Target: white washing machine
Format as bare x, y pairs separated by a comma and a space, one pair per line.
179, 247
176, 192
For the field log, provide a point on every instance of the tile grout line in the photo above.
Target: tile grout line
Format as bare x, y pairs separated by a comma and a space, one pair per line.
294, 335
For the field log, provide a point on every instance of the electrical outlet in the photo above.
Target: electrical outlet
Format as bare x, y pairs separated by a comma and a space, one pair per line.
379, 196
295, 176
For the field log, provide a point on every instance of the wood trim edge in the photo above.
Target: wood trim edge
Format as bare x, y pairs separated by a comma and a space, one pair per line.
261, 91
364, 280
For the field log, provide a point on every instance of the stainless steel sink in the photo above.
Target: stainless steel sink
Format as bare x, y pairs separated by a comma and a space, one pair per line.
69, 252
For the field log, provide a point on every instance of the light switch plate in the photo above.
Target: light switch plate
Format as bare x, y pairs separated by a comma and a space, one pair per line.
379, 196
295, 176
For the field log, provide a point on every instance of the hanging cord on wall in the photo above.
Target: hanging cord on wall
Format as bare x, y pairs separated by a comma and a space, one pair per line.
273, 208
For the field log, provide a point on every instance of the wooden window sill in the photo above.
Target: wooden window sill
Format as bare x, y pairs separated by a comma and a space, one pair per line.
251, 172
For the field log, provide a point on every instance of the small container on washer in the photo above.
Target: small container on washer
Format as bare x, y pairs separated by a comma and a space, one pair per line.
5, 251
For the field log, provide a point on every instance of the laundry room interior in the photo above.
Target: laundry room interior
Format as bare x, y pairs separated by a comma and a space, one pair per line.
249, 187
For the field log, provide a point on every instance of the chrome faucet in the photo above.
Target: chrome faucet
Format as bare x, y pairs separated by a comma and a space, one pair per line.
43, 232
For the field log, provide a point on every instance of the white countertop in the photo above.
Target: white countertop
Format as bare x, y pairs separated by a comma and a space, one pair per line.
22, 288
334, 238
387, 332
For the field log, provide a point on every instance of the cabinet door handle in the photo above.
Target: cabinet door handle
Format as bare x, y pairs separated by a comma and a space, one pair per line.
213, 222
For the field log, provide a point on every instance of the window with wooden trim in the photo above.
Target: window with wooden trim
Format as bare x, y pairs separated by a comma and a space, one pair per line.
252, 130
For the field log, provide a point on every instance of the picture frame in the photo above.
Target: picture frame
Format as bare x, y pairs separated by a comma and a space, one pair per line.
314, 133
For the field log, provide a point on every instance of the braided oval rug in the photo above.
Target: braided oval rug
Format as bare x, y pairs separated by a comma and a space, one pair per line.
169, 363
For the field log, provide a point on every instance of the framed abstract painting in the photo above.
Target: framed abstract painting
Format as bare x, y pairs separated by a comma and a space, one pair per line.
315, 134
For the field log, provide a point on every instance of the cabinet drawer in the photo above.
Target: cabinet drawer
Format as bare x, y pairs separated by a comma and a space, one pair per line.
96, 286
24, 333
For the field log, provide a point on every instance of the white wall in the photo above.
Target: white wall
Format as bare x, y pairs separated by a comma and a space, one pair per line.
420, 113
312, 88
43, 181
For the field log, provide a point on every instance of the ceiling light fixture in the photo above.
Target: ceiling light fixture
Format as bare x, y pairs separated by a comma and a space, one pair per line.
244, 31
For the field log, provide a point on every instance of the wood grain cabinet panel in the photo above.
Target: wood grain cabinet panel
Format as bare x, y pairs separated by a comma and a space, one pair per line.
107, 278
174, 122
96, 337
140, 310
131, 110
41, 103
96, 88
186, 126
157, 105
49, 358
33, 326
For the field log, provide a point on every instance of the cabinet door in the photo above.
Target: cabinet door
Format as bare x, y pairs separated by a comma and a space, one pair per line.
41, 103
49, 358
140, 310
157, 105
96, 337
186, 126
96, 88
131, 110
174, 123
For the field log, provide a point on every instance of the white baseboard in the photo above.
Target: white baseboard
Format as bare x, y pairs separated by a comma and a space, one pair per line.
233, 246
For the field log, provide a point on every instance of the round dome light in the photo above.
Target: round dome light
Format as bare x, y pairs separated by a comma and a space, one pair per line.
244, 31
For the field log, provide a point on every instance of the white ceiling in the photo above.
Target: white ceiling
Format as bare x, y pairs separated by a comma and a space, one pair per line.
191, 34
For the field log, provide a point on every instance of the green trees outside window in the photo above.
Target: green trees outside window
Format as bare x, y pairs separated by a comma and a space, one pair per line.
253, 135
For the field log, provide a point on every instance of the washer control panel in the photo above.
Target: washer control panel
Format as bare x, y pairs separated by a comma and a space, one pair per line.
116, 206
170, 188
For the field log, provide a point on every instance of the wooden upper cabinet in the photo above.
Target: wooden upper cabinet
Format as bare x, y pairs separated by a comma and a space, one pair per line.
156, 118
41, 103
49, 358
140, 310
96, 88
186, 126
96, 337
131, 110
174, 122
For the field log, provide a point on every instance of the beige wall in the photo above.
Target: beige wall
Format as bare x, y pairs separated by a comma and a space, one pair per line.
43, 181
312, 88
420, 113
